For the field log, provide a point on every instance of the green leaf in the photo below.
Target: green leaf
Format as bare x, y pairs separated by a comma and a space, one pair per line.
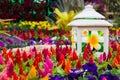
59, 71
1, 67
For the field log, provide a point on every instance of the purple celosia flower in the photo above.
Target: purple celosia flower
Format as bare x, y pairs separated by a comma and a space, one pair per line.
18, 40
56, 77
2, 44
108, 76
90, 67
9, 41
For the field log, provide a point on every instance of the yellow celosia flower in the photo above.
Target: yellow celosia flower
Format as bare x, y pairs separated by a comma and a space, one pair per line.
45, 78
33, 24
93, 40
32, 74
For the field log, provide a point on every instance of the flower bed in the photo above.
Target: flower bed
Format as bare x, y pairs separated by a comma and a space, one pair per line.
60, 63
31, 32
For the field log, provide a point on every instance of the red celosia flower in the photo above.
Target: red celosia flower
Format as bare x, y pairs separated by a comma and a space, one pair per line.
104, 56
34, 50
15, 77
15, 31
69, 50
46, 52
10, 54
33, 33
73, 56
37, 59
24, 56
89, 48
79, 64
21, 70
85, 54
109, 56
64, 52
91, 59
62, 61
55, 31
6, 59
17, 57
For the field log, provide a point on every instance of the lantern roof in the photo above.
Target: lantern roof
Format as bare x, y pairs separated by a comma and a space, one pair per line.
89, 17
83, 22
89, 12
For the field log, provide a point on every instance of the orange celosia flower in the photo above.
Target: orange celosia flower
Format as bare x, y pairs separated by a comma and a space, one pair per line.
32, 73
118, 48
41, 35
4, 51
45, 78
52, 50
67, 33
67, 66
116, 60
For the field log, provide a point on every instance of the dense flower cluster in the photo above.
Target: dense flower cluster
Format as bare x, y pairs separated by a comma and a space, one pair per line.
58, 63
24, 10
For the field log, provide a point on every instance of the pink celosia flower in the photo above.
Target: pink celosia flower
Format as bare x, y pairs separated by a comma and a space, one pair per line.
45, 71
49, 62
101, 59
8, 71
3, 76
1, 59
46, 68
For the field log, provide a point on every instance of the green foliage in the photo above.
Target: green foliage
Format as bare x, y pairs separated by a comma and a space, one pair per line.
58, 71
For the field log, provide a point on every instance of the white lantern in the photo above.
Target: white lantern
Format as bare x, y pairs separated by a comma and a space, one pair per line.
90, 27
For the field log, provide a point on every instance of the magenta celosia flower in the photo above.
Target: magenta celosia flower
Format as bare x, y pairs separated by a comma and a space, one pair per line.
49, 62
45, 71
8, 71
101, 59
46, 68
1, 59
